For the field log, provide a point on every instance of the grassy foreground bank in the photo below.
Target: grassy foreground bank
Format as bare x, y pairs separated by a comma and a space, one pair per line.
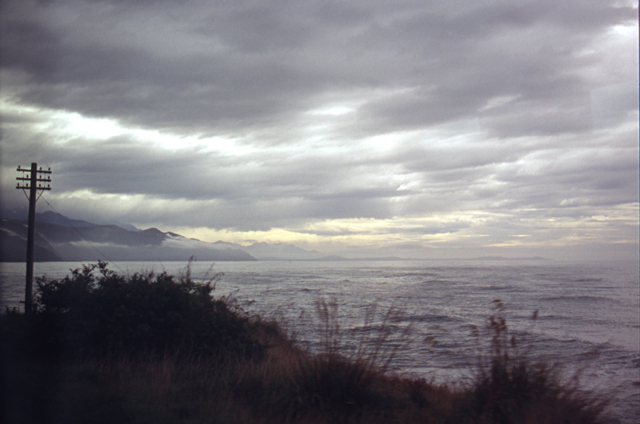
102, 348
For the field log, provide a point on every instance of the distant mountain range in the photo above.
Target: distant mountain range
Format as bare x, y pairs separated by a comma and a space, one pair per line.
59, 238
56, 218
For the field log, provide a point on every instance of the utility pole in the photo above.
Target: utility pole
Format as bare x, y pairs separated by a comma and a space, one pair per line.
34, 184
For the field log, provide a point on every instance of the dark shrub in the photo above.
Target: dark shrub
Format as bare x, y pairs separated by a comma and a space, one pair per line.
95, 311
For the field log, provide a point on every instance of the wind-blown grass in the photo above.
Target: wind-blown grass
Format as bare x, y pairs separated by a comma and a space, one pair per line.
101, 348
509, 387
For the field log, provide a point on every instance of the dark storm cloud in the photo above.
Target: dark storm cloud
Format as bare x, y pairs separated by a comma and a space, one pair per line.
484, 107
275, 57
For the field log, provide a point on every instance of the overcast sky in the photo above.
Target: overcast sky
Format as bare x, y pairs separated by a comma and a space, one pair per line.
411, 128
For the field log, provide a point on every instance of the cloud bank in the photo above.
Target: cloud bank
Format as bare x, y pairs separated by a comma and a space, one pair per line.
418, 129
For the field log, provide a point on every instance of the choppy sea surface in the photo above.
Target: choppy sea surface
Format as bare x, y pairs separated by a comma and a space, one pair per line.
587, 313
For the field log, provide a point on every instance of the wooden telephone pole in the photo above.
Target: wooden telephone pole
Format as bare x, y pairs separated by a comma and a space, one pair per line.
33, 183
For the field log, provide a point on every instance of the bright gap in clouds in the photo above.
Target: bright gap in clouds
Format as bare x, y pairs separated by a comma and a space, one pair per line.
63, 126
331, 234
333, 110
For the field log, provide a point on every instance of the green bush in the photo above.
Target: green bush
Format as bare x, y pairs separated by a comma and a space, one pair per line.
95, 311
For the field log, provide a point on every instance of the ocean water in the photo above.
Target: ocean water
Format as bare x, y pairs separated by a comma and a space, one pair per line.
587, 313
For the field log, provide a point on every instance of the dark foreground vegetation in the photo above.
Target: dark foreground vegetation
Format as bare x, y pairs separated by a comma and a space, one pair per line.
101, 348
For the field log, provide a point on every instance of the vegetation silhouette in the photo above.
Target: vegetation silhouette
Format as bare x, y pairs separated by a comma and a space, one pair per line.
103, 348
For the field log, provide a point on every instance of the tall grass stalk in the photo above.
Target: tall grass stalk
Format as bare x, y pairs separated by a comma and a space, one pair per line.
510, 387
375, 343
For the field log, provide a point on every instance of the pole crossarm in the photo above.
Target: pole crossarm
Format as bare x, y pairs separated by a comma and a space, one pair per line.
39, 171
34, 179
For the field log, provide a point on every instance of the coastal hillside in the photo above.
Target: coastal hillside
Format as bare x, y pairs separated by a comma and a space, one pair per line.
99, 347
56, 242
59, 238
